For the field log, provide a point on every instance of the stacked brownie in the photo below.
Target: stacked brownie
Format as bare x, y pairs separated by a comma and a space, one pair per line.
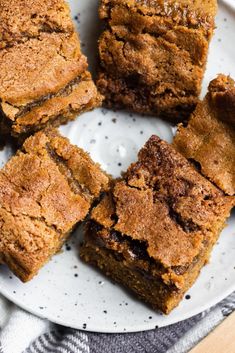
43, 74
153, 54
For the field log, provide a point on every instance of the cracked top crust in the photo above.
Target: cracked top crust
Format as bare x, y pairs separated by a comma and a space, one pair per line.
195, 14
45, 190
21, 20
84, 175
46, 63
209, 137
165, 203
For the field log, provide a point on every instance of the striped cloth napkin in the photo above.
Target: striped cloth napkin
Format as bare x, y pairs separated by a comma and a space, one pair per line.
21, 332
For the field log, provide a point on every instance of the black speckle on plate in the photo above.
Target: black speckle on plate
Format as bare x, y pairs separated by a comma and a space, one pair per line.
77, 18
84, 326
187, 297
104, 111
105, 312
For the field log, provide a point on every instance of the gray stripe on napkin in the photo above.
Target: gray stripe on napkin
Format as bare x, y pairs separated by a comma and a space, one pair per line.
155, 341
228, 305
61, 341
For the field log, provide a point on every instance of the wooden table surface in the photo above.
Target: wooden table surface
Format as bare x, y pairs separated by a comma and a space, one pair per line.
221, 340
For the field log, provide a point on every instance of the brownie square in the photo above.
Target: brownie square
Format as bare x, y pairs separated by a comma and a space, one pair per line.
43, 73
153, 54
209, 138
45, 190
154, 231
21, 20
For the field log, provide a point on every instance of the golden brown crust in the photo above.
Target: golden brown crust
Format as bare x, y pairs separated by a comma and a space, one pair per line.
47, 64
46, 189
159, 222
172, 199
153, 55
209, 138
194, 14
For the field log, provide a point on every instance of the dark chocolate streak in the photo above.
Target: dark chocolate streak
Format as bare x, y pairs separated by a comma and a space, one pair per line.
74, 184
137, 249
63, 92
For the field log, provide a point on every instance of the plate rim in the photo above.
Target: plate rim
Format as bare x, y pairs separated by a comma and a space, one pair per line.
138, 328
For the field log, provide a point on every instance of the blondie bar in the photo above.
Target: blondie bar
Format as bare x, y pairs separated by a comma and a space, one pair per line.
45, 190
209, 137
154, 231
153, 54
43, 73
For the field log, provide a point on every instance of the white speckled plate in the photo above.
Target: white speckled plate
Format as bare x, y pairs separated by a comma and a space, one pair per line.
73, 294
